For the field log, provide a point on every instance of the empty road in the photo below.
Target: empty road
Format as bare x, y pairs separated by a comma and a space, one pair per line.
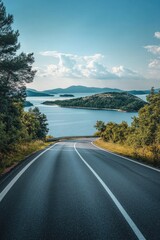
74, 190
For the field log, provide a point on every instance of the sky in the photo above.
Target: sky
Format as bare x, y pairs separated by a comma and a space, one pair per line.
101, 43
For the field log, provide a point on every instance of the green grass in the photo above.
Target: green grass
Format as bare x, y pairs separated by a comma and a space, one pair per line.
22, 151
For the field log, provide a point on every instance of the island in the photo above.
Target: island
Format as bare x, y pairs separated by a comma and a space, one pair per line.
27, 104
122, 101
66, 95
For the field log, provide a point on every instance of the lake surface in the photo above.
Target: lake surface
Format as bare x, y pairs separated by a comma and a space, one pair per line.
76, 122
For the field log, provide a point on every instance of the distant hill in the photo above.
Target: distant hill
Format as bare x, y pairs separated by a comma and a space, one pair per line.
81, 89
141, 92
35, 93
113, 100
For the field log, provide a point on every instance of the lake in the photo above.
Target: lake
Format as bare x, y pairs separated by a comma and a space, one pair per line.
76, 122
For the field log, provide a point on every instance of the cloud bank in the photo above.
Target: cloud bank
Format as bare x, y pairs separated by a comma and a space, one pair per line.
153, 49
154, 64
84, 67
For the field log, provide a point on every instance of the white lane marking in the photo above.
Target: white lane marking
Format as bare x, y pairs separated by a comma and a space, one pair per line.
14, 180
115, 200
131, 160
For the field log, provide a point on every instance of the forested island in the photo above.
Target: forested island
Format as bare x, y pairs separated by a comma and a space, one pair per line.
108, 101
66, 95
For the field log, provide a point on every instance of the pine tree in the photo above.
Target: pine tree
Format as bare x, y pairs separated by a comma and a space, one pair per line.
15, 71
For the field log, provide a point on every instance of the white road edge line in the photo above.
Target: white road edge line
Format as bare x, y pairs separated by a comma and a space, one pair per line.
14, 180
129, 159
115, 200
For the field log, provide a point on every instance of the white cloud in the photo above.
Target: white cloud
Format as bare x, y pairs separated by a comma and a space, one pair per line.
70, 65
157, 35
153, 49
154, 69
86, 67
123, 72
154, 64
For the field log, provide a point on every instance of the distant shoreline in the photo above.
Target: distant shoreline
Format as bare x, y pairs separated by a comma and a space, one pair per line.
88, 108
92, 108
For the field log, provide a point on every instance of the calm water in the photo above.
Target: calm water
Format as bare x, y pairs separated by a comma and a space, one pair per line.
76, 122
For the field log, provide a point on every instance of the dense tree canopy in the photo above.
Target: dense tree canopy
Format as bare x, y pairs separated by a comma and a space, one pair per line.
15, 71
146, 125
35, 124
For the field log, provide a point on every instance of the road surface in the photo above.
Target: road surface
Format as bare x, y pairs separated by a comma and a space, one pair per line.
73, 190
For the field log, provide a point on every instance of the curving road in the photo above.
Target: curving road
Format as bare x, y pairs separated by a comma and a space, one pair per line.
73, 190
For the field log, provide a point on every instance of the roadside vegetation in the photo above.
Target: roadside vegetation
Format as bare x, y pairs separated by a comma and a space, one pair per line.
141, 140
20, 132
23, 150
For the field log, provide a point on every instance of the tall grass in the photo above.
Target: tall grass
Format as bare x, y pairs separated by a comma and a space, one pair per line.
141, 154
20, 152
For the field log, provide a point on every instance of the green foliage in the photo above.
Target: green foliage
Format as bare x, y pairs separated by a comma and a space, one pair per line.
144, 130
100, 126
116, 133
35, 123
146, 127
15, 72
42, 130
3, 138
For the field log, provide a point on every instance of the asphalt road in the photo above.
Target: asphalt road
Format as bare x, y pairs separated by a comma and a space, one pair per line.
74, 190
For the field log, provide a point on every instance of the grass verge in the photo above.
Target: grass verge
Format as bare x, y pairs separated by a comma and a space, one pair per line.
140, 154
21, 151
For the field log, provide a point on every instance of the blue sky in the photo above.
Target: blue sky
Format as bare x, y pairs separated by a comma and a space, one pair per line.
107, 43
